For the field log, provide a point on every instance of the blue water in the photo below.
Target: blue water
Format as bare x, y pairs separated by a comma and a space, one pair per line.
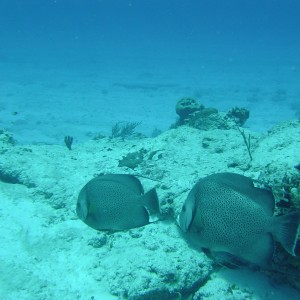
76, 67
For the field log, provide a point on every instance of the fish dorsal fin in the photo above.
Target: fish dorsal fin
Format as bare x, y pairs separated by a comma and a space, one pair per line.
264, 198
129, 181
245, 186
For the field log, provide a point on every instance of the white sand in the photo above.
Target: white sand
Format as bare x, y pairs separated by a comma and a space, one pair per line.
82, 96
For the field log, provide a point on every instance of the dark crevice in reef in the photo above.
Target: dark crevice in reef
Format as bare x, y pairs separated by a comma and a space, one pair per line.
14, 177
9, 178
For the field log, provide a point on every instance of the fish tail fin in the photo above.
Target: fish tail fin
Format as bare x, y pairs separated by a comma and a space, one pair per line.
151, 201
286, 230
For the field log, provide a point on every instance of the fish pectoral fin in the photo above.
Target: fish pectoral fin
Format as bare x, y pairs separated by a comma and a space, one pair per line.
207, 252
265, 199
130, 181
228, 260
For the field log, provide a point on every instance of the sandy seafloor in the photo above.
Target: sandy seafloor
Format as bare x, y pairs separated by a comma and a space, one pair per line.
48, 253
46, 95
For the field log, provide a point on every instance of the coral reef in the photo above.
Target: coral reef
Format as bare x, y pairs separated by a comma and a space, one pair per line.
194, 114
6, 137
186, 106
247, 141
123, 130
287, 192
68, 141
239, 115
152, 262
206, 119
132, 160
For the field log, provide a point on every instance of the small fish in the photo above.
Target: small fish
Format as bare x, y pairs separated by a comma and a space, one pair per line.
116, 202
224, 212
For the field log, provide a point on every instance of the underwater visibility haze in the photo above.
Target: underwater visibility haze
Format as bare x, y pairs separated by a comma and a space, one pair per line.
81, 66
113, 111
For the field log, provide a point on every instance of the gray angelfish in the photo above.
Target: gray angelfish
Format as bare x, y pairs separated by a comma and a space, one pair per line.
224, 212
116, 202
